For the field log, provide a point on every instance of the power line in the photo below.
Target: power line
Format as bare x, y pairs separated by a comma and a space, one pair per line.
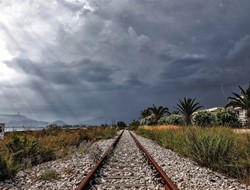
223, 92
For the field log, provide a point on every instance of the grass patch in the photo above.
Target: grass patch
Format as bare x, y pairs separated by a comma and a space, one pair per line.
160, 127
218, 148
48, 175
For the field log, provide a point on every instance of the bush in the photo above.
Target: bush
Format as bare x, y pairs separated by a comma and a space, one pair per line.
53, 129
227, 117
5, 173
149, 120
48, 175
172, 119
27, 152
204, 118
134, 125
105, 133
121, 125
208, 147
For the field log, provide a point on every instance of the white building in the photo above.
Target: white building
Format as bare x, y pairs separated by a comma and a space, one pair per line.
209, 109
242, 114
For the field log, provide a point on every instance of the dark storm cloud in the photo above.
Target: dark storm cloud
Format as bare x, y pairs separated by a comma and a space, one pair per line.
62, 73
109, 59
239, 55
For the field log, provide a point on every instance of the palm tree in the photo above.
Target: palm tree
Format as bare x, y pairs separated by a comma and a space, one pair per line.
175, 112
158, 112
241, 100
187, 107
145, 113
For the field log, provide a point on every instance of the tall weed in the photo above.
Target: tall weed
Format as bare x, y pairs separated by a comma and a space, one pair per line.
218, 148
27, 148
5, 171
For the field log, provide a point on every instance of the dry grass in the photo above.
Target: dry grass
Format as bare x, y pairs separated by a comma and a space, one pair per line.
160, 127
240, 131
23, 149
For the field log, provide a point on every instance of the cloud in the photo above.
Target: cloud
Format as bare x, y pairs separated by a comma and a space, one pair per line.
81, 60
239, 54
73, 73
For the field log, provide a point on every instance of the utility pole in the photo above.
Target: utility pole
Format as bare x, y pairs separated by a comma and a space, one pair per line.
2, 125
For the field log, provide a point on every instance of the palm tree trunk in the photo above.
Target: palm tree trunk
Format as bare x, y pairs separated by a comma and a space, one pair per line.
248, 122
187, 120
248, 118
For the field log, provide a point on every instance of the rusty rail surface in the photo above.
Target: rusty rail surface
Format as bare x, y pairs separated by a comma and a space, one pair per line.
169, 184
85, 182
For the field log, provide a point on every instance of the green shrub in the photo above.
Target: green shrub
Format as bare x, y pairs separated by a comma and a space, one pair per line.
121, 125
5, 173
149, 120
48, 175
27, 151
218, 149
208, 147
172, 119
134, 125
105, 133
204, 118
227, 117
53, 129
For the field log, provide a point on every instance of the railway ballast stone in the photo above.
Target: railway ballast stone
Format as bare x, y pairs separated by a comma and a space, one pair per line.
71, 170
186, 174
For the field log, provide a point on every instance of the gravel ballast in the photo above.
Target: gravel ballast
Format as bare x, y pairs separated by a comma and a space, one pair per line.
71, 170
186, 174
127, 168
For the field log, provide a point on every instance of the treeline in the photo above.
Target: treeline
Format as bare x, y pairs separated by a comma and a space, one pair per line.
186, 113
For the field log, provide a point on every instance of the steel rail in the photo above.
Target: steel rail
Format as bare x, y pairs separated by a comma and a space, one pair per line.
85, 182
169, 184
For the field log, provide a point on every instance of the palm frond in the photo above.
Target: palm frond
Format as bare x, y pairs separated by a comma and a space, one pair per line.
187, 107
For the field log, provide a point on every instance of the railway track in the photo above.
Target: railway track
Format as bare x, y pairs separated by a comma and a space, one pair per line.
126, 165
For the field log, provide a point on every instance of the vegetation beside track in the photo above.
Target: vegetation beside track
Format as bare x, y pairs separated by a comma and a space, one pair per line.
218, 148
24, 149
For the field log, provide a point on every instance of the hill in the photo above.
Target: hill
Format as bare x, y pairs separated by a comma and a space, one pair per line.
19, 121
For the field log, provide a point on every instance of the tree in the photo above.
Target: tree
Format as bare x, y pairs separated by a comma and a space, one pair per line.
145, 113
147, 120
121, 124
241, 100
176, 112
158, 112
227, 117
204, 119
187, 107
173, 119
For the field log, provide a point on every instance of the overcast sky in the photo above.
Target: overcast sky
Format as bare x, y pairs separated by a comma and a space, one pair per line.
105, 60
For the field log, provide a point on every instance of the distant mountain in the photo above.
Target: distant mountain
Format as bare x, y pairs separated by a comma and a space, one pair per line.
18, 121
97, 121
58, 122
